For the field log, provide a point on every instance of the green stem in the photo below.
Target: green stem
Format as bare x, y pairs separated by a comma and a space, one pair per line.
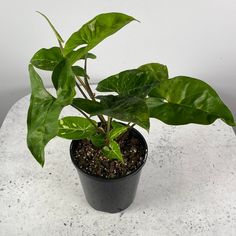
88, 88
61, 47
132, 125
80, 89
109, 124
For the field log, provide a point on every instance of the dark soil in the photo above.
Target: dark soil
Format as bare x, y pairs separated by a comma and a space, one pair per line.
91, 160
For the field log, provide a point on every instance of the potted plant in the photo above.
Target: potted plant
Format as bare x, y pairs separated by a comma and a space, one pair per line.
110, 153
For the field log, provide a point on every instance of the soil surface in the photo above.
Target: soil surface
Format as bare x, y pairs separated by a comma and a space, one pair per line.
91, 160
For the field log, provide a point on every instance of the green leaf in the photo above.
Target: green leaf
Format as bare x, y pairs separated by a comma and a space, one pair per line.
160, 72
129, 83
184, 100
64, 82
89, 56
42, 117
98, 140
116, 132
89, 106
116, 124
59, 38
95, 31
73, 127
47, 59
78, 71
113, 151
130, 109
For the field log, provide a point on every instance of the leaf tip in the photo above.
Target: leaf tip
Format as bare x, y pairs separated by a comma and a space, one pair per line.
41, 164
40, 13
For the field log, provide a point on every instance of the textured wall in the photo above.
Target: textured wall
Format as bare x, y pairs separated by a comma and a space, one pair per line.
195, 38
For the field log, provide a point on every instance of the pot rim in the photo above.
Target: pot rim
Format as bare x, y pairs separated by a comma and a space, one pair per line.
100, 178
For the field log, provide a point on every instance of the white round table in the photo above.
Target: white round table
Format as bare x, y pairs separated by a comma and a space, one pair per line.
187, 187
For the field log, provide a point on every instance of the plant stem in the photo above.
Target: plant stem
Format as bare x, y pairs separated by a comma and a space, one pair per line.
109, 124
61, 47
87, 117
132, 125
81, 81
88, 88
80, 89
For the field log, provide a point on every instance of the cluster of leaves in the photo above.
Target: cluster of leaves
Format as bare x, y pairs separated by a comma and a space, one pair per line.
136, 95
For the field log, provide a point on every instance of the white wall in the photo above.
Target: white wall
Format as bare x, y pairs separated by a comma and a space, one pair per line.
195, 38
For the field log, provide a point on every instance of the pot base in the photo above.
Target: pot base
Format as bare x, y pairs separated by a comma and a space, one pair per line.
110, 195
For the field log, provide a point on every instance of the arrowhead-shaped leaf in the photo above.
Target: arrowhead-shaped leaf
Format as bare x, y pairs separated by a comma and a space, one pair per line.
116, 132
73, 127
47, 59
113, 151
42, 118
64, 82
184, 100
130, 109
129, 83
95, 31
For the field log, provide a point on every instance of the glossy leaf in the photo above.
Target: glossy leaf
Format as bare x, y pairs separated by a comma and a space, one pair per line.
82, 52
113, 151
95, 31
77, 55
78, 71
98, 140
184, 100
42, 117
47, 59
73, 127
64, 82
59, 38
130, 109
117, 124
89, 106
159, 71
89, 55
129, 83
116, 132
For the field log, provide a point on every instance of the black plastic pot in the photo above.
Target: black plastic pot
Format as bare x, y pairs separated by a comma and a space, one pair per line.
110, 195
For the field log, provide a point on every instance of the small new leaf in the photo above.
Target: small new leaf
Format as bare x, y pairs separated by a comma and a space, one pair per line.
116, 132
59, 38
113, 151
98, 140
78, 71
